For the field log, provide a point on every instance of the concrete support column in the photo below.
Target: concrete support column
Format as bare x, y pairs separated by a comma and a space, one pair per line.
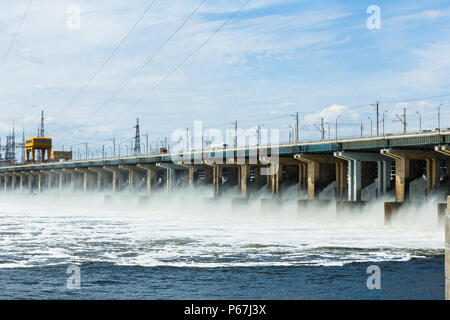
116, 178
402, 179
88, 178
30, 183
40, 181
244, 173
192, 171
340, 180
71, 173
61, 181
59, 178
152, 176
436, 174
49, 180
386, 176
275, 178
170, 178
404, 173
13, 182
101, 177
383, 177
433, 172
132, 176
21, 178
354, 163
29, 180
217, 180
321, 171
356, 179
302, 176
4, 181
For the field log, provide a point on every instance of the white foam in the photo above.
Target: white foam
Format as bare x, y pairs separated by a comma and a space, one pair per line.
178, 230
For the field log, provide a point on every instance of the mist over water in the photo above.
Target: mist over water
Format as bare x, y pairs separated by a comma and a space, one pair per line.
180, 229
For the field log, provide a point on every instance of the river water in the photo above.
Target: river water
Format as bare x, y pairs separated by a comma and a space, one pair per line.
179, 248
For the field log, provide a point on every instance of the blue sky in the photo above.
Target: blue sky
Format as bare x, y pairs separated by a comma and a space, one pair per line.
273, 59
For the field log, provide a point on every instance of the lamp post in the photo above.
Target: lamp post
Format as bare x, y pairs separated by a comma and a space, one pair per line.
439, 116
337, 126
420, 121
370, 125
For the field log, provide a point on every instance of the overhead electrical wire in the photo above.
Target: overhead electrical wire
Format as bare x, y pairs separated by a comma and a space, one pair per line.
16, 33
119, 89
108, 58
182, 62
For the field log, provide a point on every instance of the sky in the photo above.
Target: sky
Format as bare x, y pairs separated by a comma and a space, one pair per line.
170, 63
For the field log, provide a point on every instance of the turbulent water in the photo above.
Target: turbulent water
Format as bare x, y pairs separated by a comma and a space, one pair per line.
182, 247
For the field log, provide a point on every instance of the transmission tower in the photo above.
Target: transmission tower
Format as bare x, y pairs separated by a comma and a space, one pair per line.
22, 145
42, 132
137, 139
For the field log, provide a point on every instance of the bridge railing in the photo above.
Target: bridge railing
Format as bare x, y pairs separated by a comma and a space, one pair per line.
327, 140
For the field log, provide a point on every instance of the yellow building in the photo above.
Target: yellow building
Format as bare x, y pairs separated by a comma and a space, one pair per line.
60, 155
38, 143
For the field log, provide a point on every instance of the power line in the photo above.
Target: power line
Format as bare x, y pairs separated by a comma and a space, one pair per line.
183, 62
15, 34
106, 61
118, 90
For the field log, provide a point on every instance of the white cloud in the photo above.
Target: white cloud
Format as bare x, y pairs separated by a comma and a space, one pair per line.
286, 104
330, 114
41, 85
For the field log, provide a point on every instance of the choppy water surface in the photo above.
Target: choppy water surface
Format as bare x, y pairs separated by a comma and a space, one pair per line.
182, 248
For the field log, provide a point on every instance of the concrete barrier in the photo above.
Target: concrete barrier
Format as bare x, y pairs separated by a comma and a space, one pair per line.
143, 200
391, 210
269, 205
350, 206
212, 202
237, 203
304, 206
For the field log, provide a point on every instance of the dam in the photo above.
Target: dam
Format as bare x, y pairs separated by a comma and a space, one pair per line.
390, 162
342, 168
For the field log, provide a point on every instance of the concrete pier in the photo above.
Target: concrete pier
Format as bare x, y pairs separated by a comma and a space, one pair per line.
321, 172
350, 206
391, 210
363, 168
408, 166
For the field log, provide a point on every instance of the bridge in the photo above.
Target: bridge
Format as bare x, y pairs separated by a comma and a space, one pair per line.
391, 161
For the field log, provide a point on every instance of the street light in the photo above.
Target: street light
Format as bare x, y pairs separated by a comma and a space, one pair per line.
439, 116
420, 121
370, 125
336, 126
